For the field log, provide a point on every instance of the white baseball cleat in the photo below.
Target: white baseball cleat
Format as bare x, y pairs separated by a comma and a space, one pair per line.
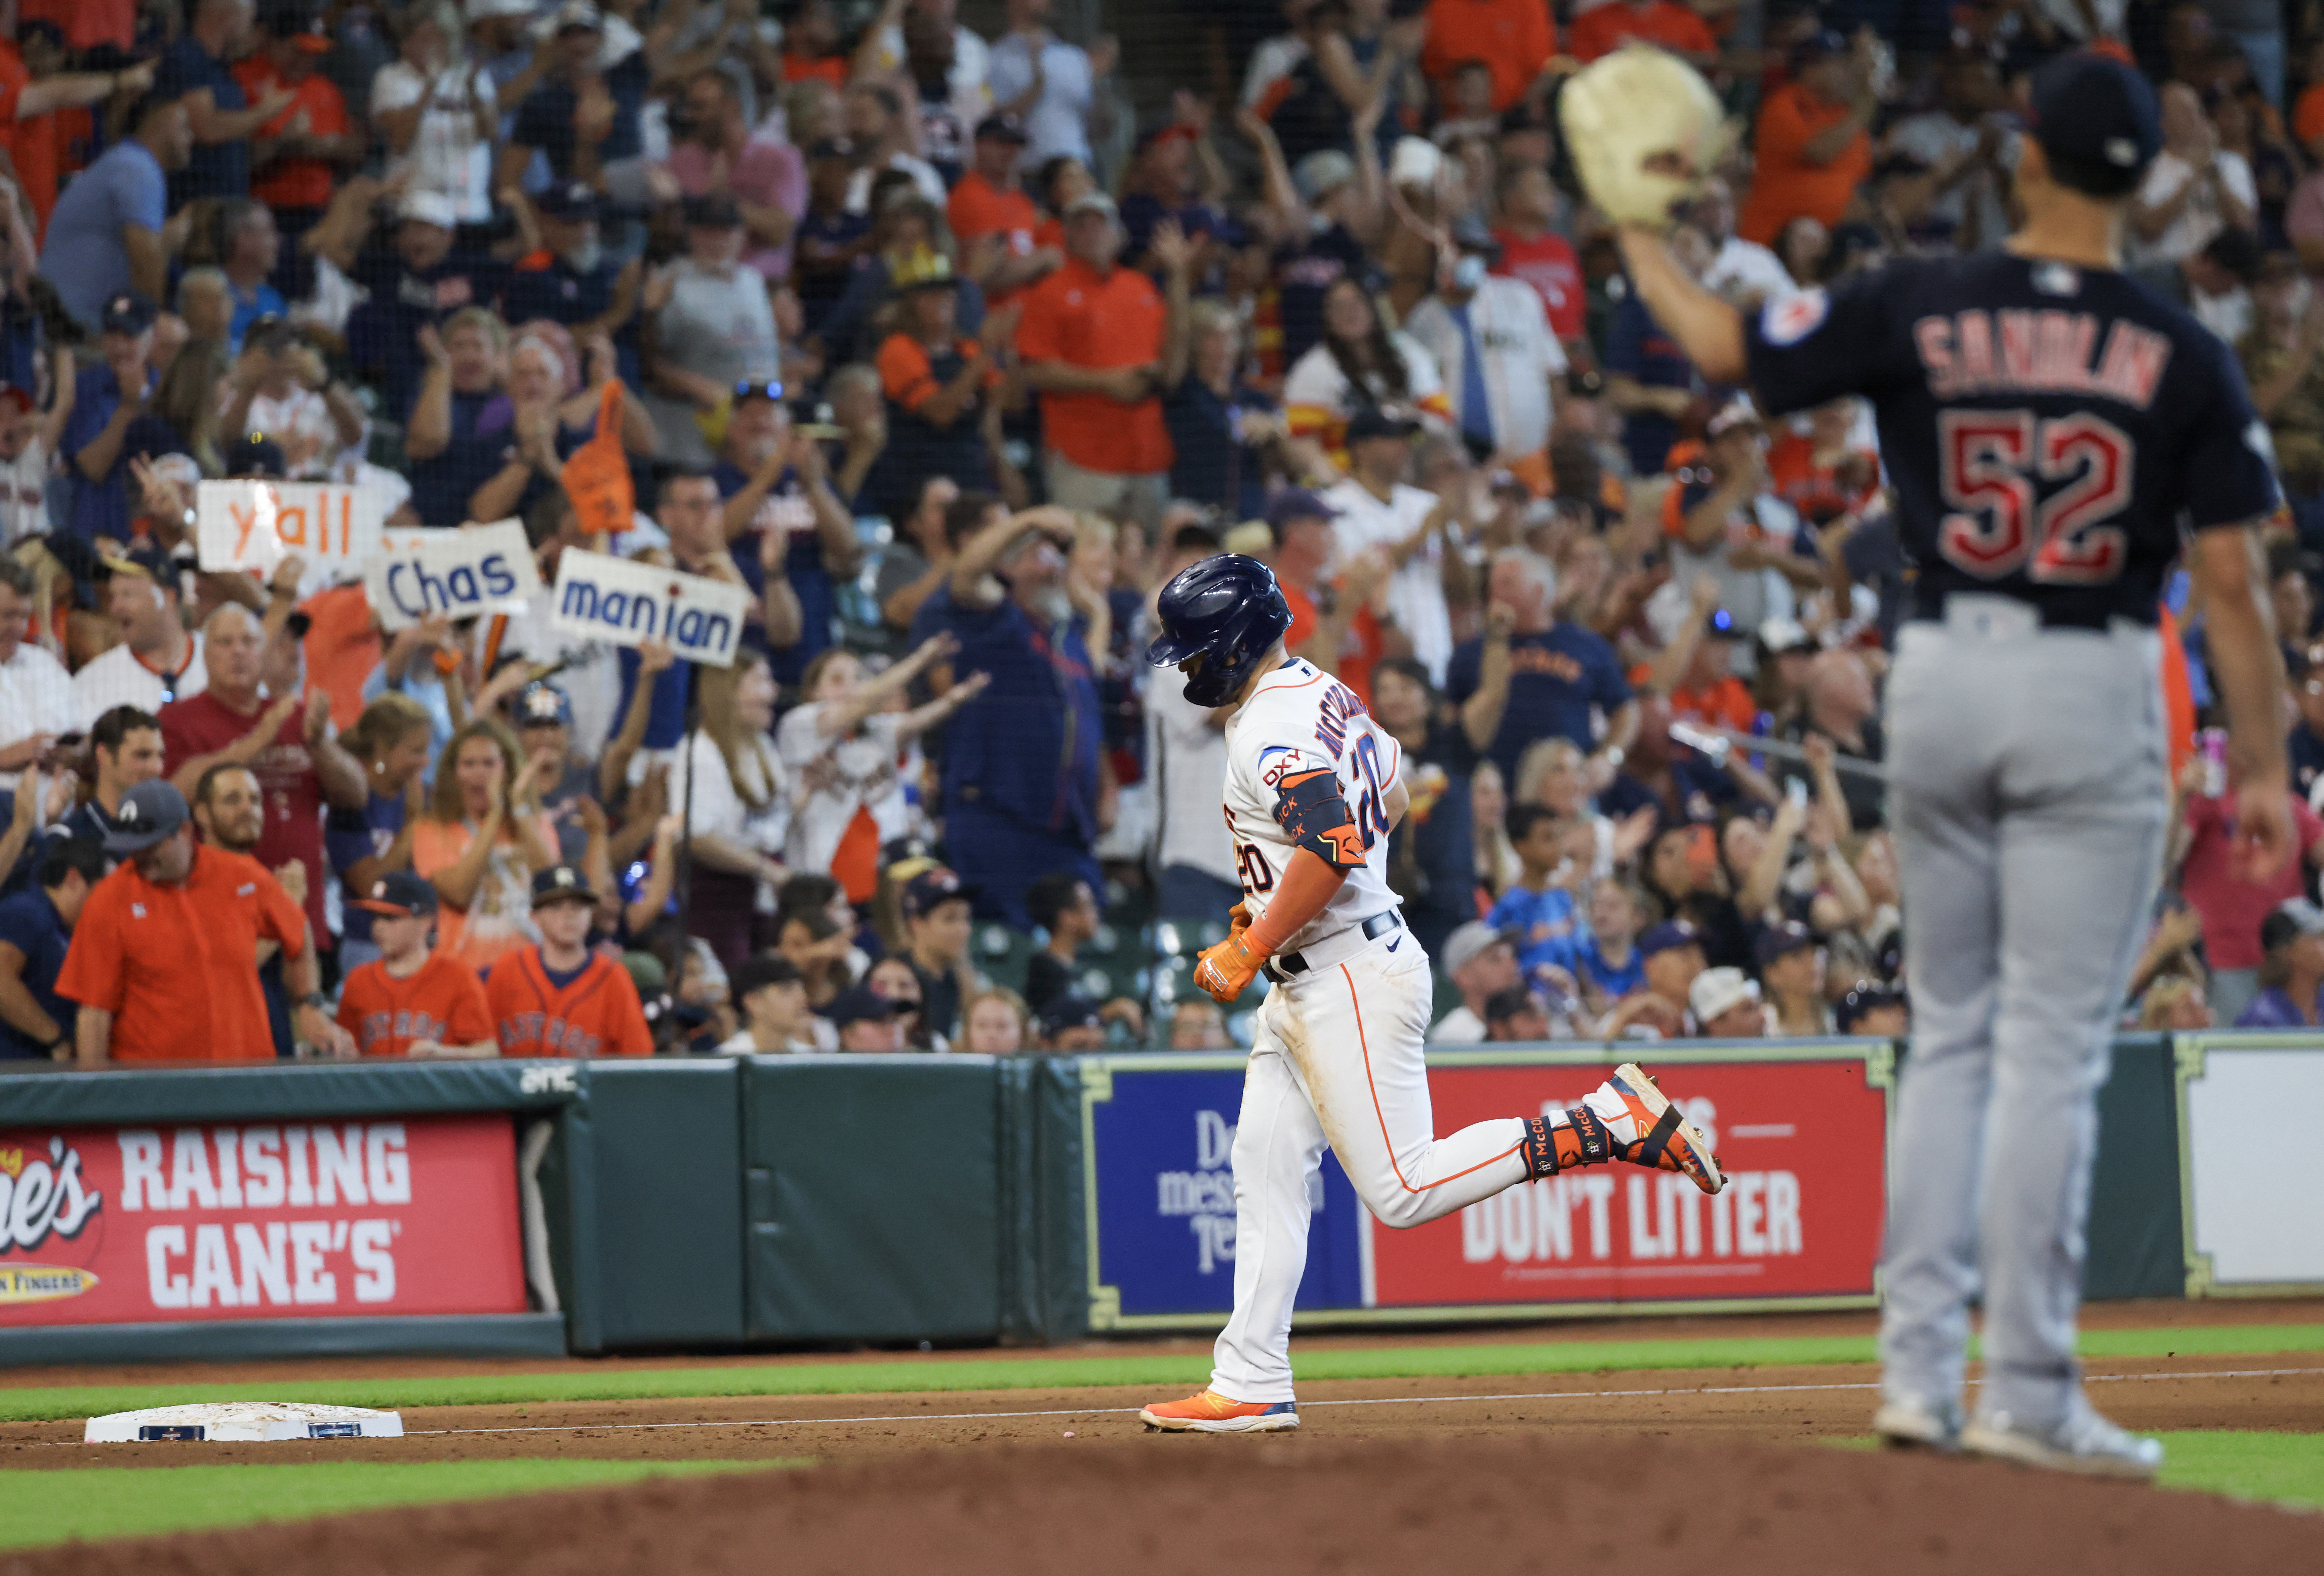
2085, 1443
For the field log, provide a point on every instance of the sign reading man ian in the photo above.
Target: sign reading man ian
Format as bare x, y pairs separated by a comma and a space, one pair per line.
625, 603
461, 573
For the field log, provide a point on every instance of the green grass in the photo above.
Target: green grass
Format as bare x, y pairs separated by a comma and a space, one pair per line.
41, 1508
1131, 1368
2283, 1467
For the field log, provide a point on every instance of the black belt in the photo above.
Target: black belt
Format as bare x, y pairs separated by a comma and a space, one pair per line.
1929, 607
1378, 926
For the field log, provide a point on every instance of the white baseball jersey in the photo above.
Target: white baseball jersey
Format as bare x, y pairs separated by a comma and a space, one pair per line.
1301, 721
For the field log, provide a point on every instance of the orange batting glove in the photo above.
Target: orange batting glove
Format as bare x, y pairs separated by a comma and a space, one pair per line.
1225, 970
1238, 919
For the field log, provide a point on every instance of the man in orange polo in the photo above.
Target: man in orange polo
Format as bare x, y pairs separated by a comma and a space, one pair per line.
1091, 342
164, 958
1515, 37
1680, 28
1813, 145
992, 219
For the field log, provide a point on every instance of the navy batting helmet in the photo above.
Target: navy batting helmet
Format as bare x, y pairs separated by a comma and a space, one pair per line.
1229, 611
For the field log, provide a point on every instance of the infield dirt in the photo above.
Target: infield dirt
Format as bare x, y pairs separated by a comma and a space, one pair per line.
1299, 1507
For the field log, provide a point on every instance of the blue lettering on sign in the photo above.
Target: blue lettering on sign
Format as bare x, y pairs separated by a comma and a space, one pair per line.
416, 593
1164, 1166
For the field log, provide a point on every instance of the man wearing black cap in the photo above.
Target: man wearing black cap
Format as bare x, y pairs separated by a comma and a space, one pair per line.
570, 280
1493, 346
558, 998
164, 955
158, 659
412, 1000
714, 330
866, 1021
2050, 427
992, 219
106, 429
936, 923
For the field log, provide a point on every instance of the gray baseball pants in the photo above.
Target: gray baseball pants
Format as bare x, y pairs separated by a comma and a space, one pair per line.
2028, 794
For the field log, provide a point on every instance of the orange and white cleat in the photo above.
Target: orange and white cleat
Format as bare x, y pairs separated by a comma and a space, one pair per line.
1661, 1135
1208, 1412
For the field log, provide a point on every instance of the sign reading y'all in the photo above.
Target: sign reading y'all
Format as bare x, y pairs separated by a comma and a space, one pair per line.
255, 525
460, 574
626, 603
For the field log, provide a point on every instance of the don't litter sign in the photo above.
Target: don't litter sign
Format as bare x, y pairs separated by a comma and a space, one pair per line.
626, 603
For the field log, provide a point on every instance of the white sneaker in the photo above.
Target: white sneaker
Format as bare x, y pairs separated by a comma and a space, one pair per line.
1918, 1425
2084, 1442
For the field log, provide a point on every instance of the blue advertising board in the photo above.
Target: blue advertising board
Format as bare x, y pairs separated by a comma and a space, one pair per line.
1161, 1196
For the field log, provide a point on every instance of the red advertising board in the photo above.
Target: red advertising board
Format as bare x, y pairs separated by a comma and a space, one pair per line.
285, 1220
1802, 1144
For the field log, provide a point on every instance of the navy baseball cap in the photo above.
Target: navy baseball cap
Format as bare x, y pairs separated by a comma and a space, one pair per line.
2096, 112
1298, 503
1780, 941
936, 884
256, 455
561, 883
1380, 422
573, 201
1669, 933
1003, 128
1818, 45
1867, 996
541, 705
1068, 1011
860, 1005
150, 813
128, 313
399, 893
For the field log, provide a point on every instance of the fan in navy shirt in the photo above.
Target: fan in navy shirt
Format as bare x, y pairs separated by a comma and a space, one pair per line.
1557, 671
421, 279
550, 121
198, 72
36, 932
1639, 352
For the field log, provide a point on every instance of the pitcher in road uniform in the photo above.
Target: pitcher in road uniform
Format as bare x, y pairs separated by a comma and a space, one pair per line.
1312, 793
2058, 435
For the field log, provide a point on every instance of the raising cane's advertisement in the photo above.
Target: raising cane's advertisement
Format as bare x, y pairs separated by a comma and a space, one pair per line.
285, 1220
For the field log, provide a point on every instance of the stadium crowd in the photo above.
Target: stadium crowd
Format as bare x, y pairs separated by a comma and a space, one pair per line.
950, 357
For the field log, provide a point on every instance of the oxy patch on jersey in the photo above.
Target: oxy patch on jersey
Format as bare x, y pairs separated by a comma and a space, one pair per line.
1277, 761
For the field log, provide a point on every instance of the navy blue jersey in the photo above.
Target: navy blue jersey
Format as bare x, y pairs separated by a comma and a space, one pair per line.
2048, 429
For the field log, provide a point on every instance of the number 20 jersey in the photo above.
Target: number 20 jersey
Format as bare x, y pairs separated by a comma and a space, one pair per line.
2048, 428
1301, 720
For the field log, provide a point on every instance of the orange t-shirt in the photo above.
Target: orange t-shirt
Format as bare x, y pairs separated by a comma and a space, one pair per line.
598, 1014
1785, 185
908, 375
831, 68
2307, 116
493, 925
1358, 653
979, 208
1515, 37
1727, 703
177, 966
30, 143
1815, 491
1094, 324
442, 1000
342, 646
301, 182
1603, 29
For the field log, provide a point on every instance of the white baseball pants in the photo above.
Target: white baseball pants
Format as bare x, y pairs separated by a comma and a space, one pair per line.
1338, 1060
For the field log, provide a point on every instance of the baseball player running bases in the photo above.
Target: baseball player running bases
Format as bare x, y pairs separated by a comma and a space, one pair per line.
2058, 435
1312, 793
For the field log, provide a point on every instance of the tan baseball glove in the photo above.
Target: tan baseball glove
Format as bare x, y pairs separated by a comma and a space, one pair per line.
1645, 128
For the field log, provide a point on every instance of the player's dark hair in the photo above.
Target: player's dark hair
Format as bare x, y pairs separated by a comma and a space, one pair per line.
965, 516
202, 788
1523, 818
2093, 177
118, 724
1411, 668
67, 854
1508, 1003
1048, 898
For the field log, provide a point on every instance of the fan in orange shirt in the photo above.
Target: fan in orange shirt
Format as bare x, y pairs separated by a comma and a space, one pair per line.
1697, 669
1813, 146
1603, 29
409, 1000
560, 998
1819, 473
